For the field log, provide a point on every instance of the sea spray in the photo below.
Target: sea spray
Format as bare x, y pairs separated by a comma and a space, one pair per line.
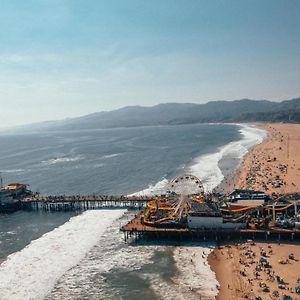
32, 272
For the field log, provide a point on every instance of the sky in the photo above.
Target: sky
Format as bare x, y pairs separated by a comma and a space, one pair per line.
66, 58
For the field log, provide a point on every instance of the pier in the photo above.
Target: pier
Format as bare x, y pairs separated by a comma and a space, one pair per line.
135, 230
75, 203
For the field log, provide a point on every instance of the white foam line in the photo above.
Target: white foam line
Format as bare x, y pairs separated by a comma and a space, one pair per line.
111, 155
195, 271
206, 167
157, 189
64, 159
32, 272
194, 278
12, 171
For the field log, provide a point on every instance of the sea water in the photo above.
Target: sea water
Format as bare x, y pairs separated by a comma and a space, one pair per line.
64, 256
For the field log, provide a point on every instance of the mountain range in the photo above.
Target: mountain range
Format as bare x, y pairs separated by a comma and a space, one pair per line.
244, 110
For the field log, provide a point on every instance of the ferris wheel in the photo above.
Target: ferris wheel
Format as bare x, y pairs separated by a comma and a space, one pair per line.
185, 184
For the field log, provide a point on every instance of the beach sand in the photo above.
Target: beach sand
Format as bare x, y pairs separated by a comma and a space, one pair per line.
273, 167
235, 268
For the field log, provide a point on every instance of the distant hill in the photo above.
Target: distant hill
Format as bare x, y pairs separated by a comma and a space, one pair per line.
244, 110
285, 116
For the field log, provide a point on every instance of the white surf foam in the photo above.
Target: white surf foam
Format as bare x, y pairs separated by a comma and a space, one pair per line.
89, 279
63, 159
195, 272
206, 167
32, 272
156, 189
12, 171
108, 255
111, 155
194, 278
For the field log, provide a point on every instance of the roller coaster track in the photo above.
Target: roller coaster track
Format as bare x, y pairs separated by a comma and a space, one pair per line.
283, 208
240, 209
256, 207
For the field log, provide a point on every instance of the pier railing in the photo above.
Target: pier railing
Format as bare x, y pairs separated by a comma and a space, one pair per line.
66, 203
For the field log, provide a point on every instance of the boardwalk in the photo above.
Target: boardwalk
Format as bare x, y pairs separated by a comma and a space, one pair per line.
65, 203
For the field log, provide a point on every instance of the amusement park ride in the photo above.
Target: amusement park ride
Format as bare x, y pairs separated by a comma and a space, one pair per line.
186, 205
172, 209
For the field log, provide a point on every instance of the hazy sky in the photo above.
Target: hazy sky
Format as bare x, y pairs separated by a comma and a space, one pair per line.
67, 58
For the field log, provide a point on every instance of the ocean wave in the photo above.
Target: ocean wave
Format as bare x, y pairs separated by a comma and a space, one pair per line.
195, 272
112, 258
193, 279
111, 155
109, 255
156, 189
206, 167
64, 159
12, 171
32, 272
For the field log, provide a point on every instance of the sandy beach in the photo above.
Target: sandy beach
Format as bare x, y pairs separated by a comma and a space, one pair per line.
273, 167
242, 276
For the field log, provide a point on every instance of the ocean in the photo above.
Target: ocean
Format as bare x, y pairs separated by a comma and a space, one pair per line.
83, 256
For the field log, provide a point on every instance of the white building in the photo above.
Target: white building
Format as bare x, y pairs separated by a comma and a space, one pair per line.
211, 222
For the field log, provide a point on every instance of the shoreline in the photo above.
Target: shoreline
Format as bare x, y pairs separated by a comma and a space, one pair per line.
273, 167
232, 173
211, 173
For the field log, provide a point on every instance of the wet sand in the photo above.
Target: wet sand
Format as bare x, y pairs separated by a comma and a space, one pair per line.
274, 165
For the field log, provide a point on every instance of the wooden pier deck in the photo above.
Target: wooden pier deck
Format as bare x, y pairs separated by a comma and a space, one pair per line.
136, 229
65, 203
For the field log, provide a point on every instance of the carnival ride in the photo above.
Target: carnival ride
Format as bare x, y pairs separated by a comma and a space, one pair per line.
185, 184
171, 210
185, 195
262, 215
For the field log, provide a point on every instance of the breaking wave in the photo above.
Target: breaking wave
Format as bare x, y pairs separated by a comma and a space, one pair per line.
106, 271
194, 270
156, 189
206, 167
32, 272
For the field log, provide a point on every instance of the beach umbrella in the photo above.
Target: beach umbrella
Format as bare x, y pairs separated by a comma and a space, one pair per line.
262, 260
